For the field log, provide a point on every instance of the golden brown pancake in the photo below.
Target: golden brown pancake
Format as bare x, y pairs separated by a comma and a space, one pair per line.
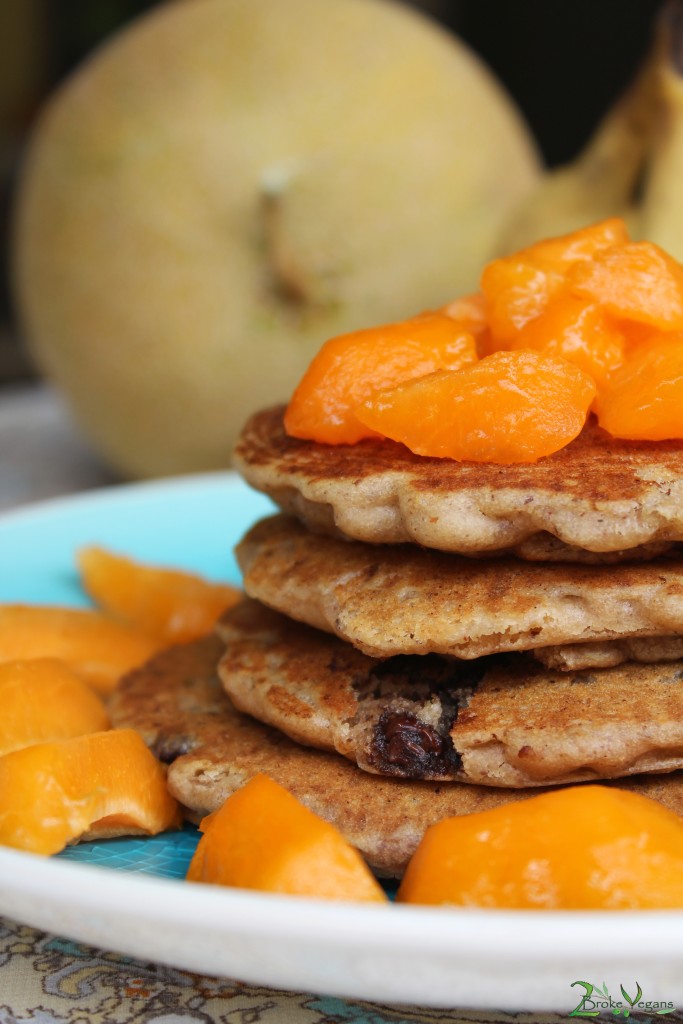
646, 650
177, 705
501, 721
401, 599
598, 494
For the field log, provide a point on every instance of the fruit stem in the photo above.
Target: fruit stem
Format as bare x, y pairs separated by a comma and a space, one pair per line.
289, 281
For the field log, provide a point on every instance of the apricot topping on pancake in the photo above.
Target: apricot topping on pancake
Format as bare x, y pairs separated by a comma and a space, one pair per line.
642, 399
592, 299
579, 331
637, 281
509, 407
348, 369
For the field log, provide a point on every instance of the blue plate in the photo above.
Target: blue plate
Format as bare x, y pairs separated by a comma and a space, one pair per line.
191, 523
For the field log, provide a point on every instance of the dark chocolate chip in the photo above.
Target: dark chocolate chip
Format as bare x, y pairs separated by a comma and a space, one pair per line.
168, 748
407, 747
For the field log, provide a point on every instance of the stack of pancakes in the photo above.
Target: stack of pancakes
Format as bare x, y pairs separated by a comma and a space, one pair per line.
425, 638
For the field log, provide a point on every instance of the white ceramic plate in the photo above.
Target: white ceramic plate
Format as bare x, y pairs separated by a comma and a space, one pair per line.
425, 957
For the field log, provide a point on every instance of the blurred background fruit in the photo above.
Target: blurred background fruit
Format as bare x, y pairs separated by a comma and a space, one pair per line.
530, 47
230, 182
632, 166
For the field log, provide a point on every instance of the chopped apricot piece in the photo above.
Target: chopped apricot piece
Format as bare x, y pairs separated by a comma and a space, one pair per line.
583, 847
517, 290
637, 281
471, 313
169, 604
263, 838
44, 700
579, 331
561, 252
104, 784
520, 287
510, 407
642, 400
95, 647
349, 368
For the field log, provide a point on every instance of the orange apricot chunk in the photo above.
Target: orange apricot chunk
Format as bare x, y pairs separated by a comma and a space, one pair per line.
349, 368
101, 785
263, 838
579, 331
642, 401
519, 287
471, 313
561, 252
510, 407
517, 291
637, 281
44, 700
169, 604
93, 645
578, 848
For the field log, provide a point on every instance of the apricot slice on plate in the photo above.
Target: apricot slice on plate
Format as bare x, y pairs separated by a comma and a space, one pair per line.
101, 785
42, 700
579, 331
510, 407
349, 368
643, 399
583, 848
93, 645
170, 604
263, 838
637, 281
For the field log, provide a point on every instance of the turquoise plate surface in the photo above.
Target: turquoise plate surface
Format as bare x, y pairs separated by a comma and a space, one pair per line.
191, 522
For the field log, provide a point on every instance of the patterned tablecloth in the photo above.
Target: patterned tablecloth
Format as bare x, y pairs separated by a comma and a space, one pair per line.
45, 979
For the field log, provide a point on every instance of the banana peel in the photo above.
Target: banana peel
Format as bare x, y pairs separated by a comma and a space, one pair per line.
632, 167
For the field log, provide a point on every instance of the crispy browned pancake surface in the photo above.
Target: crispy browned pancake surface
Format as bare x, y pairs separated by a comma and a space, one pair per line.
402, 599
598, 494
178, 706
501, 721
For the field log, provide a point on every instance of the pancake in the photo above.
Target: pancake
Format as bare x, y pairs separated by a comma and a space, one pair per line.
177, 705
401, 599
501, 721
598, 494
647, 649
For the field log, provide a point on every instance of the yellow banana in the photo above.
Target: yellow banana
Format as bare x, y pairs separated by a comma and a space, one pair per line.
661, 211
632, 166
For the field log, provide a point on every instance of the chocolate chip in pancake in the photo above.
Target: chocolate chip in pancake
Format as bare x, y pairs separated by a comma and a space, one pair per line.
177, 704
503, 721
401, 599
598, 494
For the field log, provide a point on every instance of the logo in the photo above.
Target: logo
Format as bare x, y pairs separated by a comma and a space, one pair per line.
595, 1001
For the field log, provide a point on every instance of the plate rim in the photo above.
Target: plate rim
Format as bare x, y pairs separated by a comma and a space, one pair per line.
431, 926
